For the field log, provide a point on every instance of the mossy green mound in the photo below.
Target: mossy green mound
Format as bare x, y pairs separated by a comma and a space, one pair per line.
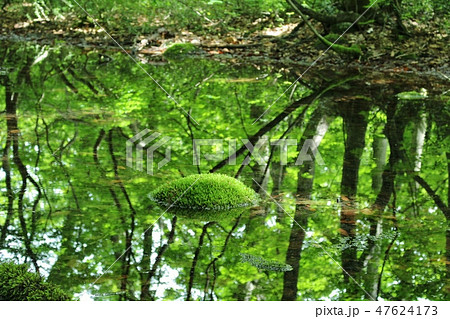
18, 284
204, 192
179, 50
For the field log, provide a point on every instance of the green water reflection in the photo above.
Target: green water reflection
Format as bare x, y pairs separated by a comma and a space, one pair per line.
369, 220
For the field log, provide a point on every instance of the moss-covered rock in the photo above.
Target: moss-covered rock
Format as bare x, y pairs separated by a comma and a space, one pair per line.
204, 192
19, 284
180, 50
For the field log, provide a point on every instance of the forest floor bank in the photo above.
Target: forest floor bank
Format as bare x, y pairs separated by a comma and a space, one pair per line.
426, 50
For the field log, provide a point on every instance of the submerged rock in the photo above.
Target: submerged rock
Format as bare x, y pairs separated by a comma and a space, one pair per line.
202, 193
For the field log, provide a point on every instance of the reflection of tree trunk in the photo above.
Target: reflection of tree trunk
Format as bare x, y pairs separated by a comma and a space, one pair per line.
129, 229
316, 129
114, 239
355, 127
420, 127
372, 258
145, 264
296, 239
394, 130
11, 99
11, 105
379, 156
355, 121
418, 140
11, 122
67, 259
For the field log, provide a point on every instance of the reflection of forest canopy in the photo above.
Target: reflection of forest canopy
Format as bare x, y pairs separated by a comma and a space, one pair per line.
69, 197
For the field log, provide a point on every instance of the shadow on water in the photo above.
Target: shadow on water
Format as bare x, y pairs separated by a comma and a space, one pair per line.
352, 167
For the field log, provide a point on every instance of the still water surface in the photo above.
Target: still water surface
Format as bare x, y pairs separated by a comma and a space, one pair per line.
364, 216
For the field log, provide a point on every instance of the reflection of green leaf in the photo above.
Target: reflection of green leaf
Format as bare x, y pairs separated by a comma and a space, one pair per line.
265, 264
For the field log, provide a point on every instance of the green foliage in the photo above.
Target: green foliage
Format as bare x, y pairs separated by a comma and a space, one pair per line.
205, 192
19, 284
265, 264
136, 17
425, 9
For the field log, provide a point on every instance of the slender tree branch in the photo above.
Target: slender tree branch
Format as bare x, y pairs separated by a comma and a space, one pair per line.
437, 200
